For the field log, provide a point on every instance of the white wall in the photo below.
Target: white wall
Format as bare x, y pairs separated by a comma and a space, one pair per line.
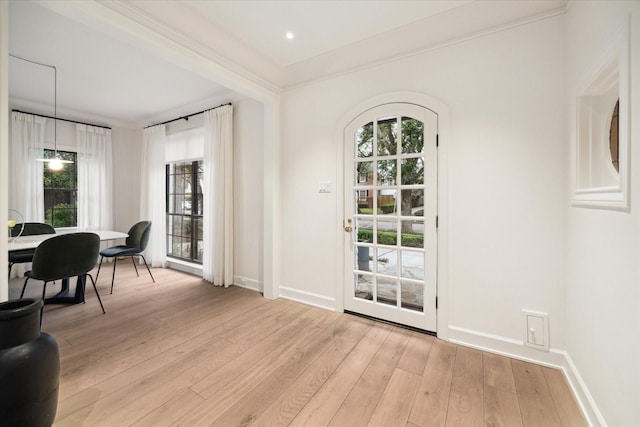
248, 192
127, 158
603, 253
506, 175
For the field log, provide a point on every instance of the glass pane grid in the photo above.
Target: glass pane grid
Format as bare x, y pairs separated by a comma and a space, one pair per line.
184, 211
389, 193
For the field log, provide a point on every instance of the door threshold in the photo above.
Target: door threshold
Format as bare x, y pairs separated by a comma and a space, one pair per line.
388, 322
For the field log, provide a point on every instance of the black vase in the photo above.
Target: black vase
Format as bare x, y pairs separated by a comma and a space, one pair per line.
29, 366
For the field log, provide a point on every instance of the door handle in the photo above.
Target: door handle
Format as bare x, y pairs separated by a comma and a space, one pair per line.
348, 229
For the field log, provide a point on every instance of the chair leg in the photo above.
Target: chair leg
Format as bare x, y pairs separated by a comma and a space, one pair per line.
149, 270
99, 265
82, 282
113, 274
10, 267
44, 291
95, 288
26, 279
134, 265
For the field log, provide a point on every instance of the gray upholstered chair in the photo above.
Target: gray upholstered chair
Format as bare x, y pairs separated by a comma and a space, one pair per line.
65, 256
30, 229
135, 244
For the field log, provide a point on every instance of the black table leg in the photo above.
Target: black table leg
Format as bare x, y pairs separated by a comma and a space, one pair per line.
62, 296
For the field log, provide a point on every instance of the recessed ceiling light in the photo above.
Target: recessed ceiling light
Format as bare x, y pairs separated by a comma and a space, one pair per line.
289, 35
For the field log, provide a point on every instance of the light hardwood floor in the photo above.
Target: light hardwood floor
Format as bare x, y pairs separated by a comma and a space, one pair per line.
181, 352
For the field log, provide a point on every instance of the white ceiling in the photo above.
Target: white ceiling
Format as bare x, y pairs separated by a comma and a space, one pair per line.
318, 26
111, 79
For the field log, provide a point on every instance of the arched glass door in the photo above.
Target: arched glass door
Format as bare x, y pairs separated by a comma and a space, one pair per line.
390, 215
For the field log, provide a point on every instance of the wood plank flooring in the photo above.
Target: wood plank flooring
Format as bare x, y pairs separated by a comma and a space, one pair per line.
181, 352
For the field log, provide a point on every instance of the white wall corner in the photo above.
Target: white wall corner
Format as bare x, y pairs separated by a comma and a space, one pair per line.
554, 358
580, 391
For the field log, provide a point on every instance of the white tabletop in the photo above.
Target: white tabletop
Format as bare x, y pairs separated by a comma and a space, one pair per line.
30, 242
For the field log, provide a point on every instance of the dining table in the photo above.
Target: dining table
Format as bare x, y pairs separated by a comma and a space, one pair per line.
32, 241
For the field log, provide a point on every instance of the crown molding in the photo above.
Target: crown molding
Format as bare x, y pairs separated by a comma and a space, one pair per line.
126, 22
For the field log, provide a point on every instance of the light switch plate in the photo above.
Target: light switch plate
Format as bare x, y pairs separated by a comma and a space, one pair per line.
324, 187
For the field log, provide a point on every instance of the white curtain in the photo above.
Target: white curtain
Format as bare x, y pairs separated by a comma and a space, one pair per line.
95, 183
217, 262
152, 193
26, 189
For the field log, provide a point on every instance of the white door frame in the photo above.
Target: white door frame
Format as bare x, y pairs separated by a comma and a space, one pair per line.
442, 110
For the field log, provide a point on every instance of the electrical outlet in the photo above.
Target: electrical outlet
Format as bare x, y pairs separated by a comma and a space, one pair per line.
536, 330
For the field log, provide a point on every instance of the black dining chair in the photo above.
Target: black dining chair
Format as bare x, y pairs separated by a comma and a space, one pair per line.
65, 256
30, 229
135, 244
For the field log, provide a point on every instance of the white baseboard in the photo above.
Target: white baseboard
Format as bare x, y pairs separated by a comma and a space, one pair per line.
185, 267
245, 282
553, 358
581, 393
308, 298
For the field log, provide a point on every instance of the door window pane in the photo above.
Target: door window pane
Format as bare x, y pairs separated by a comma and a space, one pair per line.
412, 203
364, 173
412, 171
387, 201
364, 259
364, 141
386, 172
412, 295
387, 136
387, 261
412, 234
412, 135
412, 265
387, 290
363, 284
387, 231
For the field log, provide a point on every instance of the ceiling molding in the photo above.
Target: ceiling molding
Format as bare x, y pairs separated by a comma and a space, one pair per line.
119, 18
345, 60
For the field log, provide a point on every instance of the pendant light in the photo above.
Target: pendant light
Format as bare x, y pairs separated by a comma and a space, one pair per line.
55, 163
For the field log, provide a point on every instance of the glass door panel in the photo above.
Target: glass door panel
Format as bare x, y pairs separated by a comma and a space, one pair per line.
391, 158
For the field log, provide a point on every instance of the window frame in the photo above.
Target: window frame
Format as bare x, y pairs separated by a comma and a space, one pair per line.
195, 216
49, 153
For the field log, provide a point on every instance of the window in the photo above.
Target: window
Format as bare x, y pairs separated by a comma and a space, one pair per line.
61, 191
184, 210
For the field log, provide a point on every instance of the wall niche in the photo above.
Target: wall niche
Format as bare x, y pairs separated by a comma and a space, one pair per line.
602, 133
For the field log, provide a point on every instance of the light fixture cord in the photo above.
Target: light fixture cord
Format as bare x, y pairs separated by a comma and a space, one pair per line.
55, 112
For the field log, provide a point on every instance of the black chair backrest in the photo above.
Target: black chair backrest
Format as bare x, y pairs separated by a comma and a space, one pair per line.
139, 235
32, 229
65, 255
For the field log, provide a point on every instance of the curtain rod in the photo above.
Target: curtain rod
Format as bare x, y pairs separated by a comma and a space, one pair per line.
64, 120
187, 116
